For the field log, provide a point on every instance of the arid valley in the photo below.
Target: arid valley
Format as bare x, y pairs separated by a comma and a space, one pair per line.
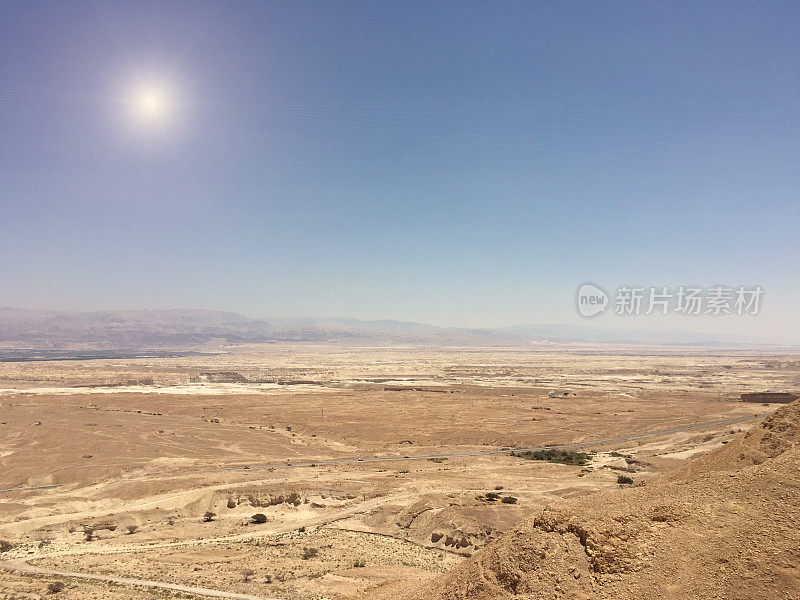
399, 300
300, 472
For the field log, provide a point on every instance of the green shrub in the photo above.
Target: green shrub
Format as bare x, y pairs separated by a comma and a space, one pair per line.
555, 455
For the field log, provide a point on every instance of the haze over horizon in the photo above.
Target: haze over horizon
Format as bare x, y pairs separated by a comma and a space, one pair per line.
469, 168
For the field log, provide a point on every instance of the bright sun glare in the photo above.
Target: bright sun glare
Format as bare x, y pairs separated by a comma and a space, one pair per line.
151, 104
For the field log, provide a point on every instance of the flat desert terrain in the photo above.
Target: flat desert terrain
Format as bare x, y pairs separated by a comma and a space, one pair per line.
298, 472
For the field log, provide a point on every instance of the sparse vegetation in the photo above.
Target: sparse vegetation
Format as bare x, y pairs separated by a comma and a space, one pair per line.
131, 529
5, 546
247, 574
555, 455
209, 516
489, 497
309, 553
259, 518
624, 480
55, 587
494, 497
359, 563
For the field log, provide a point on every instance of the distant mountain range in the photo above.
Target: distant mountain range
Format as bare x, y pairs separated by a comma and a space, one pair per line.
137, 329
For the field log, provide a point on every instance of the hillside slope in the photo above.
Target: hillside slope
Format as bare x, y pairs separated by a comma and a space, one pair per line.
723, 526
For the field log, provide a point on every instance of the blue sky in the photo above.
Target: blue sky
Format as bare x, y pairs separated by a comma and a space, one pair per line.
459, 163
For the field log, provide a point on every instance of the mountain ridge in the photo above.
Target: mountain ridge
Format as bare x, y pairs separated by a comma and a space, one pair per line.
192, 328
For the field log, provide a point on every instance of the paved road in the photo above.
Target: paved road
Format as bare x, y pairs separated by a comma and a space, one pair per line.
30, 489
627, 438
374, 459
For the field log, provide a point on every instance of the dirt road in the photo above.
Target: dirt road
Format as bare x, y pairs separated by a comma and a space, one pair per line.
21, 566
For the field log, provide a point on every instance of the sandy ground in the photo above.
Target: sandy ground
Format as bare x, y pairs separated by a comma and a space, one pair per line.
157, 457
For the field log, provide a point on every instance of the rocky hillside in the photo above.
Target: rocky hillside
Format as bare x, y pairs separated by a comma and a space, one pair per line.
723, 526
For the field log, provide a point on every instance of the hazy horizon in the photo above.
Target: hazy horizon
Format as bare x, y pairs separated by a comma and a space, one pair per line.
585, 331
458, 165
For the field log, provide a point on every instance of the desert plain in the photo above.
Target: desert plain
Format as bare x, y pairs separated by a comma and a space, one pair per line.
300, 472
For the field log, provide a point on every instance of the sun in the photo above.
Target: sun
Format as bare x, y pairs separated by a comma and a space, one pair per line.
151, 104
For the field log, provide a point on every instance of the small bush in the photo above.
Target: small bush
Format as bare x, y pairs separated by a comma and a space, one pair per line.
624, 479
247, 574
131, 529
209, 516
302, 529
492, 496
5, 545
508, 500
259, 518
310, 553
55, 586
360, 563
